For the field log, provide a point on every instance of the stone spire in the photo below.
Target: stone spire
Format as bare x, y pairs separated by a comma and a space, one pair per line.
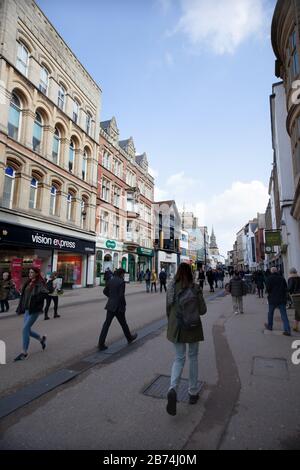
213, 241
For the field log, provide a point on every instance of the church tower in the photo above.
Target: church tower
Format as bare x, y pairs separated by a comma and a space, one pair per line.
213, 247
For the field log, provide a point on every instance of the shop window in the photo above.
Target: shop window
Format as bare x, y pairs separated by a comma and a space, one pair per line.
22, 59
9, 184
44, 80
71, 156
14, 119
56, 146
116, 260
61, 97
33, 194
37, 133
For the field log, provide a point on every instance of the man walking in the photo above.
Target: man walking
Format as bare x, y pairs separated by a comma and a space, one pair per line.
116, 307
277, 290
237, 288
108, 276
163, 280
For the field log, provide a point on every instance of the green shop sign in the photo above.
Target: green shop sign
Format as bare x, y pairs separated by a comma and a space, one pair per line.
111, 244
145, 252
273, 238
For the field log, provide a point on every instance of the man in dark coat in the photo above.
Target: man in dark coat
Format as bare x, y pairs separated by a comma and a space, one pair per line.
163, 280
237, 289
116, 307
277, 297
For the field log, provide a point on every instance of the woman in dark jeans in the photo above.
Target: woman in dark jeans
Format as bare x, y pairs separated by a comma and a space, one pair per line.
294, 288
31, 305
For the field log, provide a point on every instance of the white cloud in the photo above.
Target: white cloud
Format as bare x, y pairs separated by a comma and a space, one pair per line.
160, 194
221, 25
153, 172
179, 183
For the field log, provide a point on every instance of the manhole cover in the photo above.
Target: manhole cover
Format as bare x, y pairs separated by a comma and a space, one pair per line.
263, 366
160, 386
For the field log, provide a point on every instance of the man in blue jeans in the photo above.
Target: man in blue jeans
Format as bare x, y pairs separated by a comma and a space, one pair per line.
277, 297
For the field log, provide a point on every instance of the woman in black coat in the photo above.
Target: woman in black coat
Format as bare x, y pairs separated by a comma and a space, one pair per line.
260, 283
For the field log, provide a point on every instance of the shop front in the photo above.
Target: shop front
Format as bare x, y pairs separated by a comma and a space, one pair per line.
168, 261
108, 255
145, 260
23, 247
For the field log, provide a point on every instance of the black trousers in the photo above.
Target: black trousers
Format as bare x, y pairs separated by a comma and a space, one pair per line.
163, 284
48, 302
201, 283
4, 305
120, 316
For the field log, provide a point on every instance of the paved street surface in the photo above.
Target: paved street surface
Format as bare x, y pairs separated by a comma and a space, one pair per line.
250, 399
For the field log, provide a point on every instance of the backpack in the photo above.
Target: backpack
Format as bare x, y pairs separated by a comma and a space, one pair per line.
187, 309
50, 287
147, 276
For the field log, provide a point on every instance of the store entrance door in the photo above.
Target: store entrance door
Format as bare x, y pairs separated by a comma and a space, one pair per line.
131, 267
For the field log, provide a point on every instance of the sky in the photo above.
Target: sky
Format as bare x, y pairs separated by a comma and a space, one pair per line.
190, 81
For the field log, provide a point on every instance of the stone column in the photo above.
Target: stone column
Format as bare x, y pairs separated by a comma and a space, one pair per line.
22, 190
48, 133
77, 170
90, 270
28, 117
64, 153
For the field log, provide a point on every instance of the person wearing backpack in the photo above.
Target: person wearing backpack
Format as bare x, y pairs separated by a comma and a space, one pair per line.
237, 289
185, 305
53, 286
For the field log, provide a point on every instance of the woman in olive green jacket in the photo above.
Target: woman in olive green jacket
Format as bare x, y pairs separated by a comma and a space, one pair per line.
181, 336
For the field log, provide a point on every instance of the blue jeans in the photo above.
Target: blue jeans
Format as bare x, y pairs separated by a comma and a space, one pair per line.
29, 320
284, 317
180, 349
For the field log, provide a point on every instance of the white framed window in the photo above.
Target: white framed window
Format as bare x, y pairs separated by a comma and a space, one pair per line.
116, 227
105, 190
9, 186
22, 59
106, 160
53, 200
56, 146
61, 97
14, 118
37, 133
117, 168
117, 196
104, 221
44, 80
88, 124
83, 213
33, 193
70, 206
75, 111
71, 156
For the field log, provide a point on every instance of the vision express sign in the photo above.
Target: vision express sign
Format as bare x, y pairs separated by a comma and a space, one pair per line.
15, 235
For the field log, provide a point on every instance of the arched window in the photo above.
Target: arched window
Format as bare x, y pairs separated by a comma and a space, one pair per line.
88, 123
56, 146
84, 165
37, 133
61, 97
71, 206
53, 200
9, 185
44, 80
83, 212
14, 118
71, 156
75, 111
33, 193
22, 58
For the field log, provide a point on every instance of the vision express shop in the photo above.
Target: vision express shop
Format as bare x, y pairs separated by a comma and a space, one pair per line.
22, 248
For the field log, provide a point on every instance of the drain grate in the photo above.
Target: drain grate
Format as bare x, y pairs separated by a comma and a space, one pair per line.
277, 368
160, 386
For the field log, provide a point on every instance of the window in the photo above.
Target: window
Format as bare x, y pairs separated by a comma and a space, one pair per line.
88, 123
106, 160
14, 118
9, 184
71, 156
84, 165
70, 206
61, 97
130, 202
105, 190
37, 133
83, 213
116, 227
53, 200
33, 193
75, 111
117, 196
104, 219
117, 168
56, 147
44, 80
293, 63
22, 58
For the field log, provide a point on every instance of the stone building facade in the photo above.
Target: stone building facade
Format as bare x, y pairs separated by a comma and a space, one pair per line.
124, 222
49, 141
